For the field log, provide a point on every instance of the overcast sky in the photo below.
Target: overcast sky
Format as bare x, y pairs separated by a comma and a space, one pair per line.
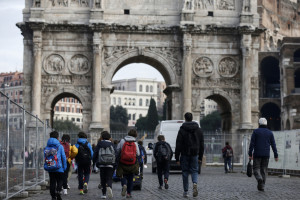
11, 45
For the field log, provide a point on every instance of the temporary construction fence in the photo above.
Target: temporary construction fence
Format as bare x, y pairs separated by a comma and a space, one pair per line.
23, 137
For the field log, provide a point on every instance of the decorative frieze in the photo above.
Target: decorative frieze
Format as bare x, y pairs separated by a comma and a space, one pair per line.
227, 67
214, 4
54, 64
112, 54
215, 83
79, 64
67, 79
203, 67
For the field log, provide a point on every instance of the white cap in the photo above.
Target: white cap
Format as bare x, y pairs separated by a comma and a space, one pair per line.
262, 121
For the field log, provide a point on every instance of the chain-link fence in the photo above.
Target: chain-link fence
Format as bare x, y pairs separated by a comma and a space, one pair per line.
23, 137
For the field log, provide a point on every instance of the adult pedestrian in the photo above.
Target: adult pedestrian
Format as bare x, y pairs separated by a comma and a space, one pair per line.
128, 166
54, 150
163, 154
259, 150
227, 152
189, 152
83, 160
104, 157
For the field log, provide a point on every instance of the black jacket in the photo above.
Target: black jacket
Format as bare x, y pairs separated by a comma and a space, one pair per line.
181, 148
156, 149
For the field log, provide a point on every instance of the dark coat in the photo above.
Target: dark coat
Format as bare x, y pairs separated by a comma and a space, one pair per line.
261, 140
101, 144
156, 149
181, 148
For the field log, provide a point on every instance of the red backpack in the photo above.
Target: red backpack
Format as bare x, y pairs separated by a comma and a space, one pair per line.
66, 146
128, 153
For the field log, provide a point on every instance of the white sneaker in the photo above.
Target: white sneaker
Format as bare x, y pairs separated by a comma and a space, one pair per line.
65, 191
103, 197
185, 194
109, 192
124, 190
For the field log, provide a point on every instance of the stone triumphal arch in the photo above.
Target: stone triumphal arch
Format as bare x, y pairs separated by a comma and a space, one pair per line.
203, 49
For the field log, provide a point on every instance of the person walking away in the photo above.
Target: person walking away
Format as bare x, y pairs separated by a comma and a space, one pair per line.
83, 160
128, 166
259, 151
142, 158
163, 155
65, 142
104, 157
189, 152
227, 152
55, 163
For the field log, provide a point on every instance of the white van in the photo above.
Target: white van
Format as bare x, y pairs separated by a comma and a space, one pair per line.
169, 129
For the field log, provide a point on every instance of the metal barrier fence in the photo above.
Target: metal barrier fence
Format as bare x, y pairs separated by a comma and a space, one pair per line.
23, 137
118, 135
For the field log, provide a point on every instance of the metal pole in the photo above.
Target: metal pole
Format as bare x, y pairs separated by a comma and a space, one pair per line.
7, 145
24, 144
36, 141
284, 157
44, 141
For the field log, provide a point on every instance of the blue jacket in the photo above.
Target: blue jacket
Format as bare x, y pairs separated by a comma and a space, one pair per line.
83, 141
261, 140
53, 142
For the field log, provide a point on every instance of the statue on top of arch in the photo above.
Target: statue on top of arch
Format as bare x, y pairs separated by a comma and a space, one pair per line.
188, 5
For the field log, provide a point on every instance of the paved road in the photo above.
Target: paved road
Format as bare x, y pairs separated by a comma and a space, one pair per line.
213, 184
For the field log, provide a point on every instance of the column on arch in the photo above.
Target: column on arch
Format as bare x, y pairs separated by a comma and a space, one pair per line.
245, 112
187, 74
96, 91
37, 73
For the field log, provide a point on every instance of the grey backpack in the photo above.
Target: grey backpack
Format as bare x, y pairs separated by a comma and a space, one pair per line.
106, 156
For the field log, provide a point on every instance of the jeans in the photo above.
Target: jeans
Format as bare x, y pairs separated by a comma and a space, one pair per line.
83, 171
163, 168
260, 166
106, 174
127, 180
227, 162
65, 176
189, 165
56, 182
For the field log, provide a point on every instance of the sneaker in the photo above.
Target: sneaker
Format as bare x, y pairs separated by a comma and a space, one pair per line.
128, 196
81, 192
65, 191
195, 190
85, 188
109, 192
124, 190
100, 186
166, 184
160, 187
260, 185
185, 194
68, 187
103, 197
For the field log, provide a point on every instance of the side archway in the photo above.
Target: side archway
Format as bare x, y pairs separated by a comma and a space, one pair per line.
271, 112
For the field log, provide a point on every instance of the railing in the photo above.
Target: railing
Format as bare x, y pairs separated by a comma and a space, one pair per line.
118, 135
23, 137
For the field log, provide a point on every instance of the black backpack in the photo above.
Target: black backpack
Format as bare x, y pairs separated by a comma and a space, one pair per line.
192, 144
163, 152
84, 155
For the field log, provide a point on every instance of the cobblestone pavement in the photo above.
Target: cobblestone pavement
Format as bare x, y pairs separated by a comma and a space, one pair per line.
213, 184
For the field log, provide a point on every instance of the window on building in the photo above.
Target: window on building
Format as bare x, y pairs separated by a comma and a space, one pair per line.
73, 119
129, 101
140, 116
62, 118
119, 101
78, 119
72, 110
16, 92
114, 101
125, 102
151, 88
68, 109
72, 100
129, 116
141, 102
62, 100
141, 88
20, 100
77, 110
56, 108
147, 88
133, 101
16, 110
123, 88
147, 102
62, 109
133, 117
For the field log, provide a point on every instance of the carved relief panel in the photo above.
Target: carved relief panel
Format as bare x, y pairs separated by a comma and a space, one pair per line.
228, 67
226, 4
203, 67
215, 4
68, 3
54, 64
79, 64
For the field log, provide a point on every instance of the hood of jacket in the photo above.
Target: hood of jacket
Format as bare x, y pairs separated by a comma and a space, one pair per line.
105, 143
129, 138
81, 140
53, 142
189, 126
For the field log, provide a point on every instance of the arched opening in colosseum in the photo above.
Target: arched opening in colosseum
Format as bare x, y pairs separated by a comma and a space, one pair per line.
271, 112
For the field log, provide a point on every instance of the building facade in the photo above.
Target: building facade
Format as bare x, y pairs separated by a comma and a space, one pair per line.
134, 95
207, 107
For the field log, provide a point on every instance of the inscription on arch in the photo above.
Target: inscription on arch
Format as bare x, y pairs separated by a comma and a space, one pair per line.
54, 64
203, 67
228, 67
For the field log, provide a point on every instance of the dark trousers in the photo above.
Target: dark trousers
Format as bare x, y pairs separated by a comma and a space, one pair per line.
260, 166
83, 171
141, 168
163, 168
56, 181
106, 174
127, 180
65, 176
227, 162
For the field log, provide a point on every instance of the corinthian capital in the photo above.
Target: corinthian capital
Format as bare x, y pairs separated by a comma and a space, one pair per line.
187, 42
246, 44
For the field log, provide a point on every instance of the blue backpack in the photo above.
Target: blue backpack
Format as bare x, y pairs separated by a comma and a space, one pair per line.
52, 159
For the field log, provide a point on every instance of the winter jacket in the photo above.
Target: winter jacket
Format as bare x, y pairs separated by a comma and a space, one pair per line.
225, 149
145, 153
181, 148
101, 144
261, 140
121, 143
156, 149
53, 142
83, 141
73, 153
